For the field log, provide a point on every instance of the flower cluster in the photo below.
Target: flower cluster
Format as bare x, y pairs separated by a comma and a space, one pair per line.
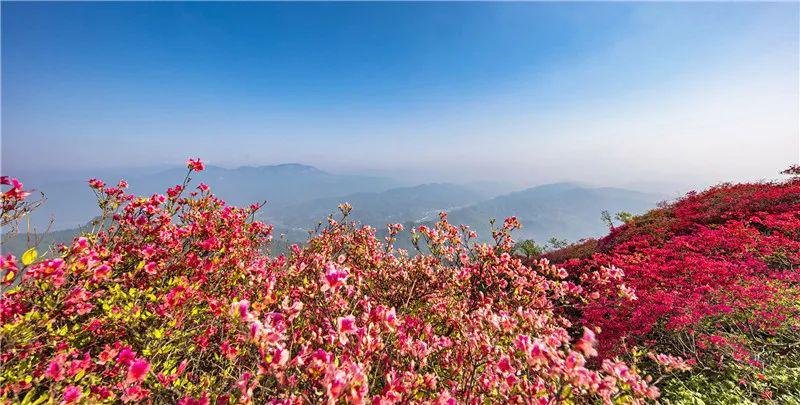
176, 300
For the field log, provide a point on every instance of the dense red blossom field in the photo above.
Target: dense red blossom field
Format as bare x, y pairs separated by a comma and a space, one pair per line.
716, 279
175, 298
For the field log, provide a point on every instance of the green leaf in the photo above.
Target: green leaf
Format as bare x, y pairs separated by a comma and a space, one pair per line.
29, 256
29, 397
28, 400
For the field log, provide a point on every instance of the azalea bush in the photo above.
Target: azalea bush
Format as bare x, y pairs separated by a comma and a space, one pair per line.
176, 299
717, 277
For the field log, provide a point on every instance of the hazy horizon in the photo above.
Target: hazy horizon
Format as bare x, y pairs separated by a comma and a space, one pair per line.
528, 93
40, 180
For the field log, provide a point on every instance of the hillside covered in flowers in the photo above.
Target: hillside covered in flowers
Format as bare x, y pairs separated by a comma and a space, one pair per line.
176, 298
717, 282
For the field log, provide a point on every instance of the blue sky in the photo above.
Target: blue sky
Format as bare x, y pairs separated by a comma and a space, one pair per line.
532, 92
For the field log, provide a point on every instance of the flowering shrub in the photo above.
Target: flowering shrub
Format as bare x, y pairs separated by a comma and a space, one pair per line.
15, 201
717, 280
175, 299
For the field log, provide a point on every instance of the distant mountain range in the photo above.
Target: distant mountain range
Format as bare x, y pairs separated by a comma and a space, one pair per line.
72, 203
299, 196
562, 210
401, 204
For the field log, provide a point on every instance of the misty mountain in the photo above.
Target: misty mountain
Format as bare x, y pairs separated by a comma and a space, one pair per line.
568, 211
489, 189
403, 204
563, 210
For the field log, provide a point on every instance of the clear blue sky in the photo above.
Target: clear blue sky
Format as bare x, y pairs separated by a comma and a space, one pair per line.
607, 92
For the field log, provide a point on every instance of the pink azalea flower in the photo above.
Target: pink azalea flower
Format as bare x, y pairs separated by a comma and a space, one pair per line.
72, 394
151, 268
335, 276
138, 370
101, 272
126, 356
81, 244
346, 326
505, 365
538, 352
55, 369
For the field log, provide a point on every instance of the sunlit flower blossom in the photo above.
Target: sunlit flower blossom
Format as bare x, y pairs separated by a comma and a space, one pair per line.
335, 276
72, 394
96, 184
138, 369
195, 165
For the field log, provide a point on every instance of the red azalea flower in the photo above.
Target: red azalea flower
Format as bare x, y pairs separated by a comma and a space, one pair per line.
195, 165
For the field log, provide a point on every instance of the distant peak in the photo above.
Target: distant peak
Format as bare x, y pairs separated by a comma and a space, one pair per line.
561, 186
296, 166
284, 168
